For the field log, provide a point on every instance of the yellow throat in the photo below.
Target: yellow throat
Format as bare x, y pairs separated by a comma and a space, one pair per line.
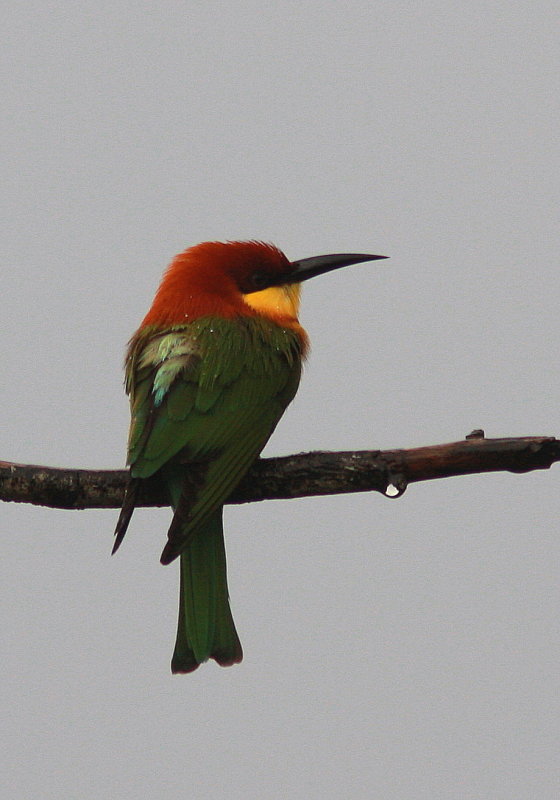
279, 302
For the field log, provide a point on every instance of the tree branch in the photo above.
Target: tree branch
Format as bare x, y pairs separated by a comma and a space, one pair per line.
303, 475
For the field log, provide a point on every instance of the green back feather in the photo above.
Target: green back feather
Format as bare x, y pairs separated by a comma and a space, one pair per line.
189, 385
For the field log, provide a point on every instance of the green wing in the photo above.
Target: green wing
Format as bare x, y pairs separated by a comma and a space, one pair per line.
206, 395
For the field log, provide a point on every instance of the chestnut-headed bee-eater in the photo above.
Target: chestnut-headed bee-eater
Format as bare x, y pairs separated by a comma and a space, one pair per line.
209, 372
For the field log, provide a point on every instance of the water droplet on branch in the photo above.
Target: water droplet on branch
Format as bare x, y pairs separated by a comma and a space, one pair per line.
396, 485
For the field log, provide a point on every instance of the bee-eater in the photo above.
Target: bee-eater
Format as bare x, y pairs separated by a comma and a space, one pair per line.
209, 372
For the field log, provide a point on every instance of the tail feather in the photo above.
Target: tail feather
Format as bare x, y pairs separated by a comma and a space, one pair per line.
205, 628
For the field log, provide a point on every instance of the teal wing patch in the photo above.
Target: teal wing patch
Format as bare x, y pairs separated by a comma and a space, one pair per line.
161, 373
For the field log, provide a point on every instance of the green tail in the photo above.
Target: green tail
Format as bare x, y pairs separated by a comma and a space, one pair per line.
206, 628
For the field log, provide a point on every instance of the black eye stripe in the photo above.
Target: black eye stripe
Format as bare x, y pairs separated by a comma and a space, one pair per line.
259, 280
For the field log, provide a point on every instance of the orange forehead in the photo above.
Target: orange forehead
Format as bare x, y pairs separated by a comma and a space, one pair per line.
238, 258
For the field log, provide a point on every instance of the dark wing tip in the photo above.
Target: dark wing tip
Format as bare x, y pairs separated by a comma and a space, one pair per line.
129, 503
169, 554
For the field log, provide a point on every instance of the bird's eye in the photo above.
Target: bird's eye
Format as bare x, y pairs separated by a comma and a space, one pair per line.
259, 280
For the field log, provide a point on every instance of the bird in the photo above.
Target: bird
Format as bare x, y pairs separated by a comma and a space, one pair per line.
209, 372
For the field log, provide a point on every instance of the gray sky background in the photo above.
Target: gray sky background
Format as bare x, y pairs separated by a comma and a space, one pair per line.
393, 649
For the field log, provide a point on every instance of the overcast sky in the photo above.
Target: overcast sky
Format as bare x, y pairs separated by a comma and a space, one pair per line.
393, 648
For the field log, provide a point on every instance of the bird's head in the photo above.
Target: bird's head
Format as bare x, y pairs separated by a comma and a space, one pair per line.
224, 277
255, 266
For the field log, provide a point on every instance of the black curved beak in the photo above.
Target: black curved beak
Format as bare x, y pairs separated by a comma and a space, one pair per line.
307, 268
